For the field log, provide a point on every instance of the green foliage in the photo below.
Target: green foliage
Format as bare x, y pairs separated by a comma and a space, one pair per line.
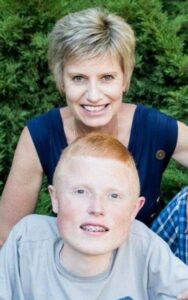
44, 203
161, 60
27, 87
2, 149
174, 179
176, 103
11, 122
25, 81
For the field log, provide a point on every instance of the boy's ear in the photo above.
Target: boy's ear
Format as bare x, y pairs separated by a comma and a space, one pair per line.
138, 205
54, 199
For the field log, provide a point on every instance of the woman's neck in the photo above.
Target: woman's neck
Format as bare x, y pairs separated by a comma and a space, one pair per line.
111, 128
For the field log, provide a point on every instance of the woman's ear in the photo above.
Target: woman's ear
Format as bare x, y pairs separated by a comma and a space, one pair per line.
54, 199
125, 85
127, 79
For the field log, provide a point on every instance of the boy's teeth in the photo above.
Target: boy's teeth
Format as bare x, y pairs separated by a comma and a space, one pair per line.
93, 228
94, 108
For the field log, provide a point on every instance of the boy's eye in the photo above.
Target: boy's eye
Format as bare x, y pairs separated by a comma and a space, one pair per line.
114, 195
80, 191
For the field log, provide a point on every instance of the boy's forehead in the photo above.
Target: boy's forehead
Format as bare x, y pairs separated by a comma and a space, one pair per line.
76, 160
91, 166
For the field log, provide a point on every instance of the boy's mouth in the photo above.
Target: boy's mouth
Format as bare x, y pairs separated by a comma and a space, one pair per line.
94, 228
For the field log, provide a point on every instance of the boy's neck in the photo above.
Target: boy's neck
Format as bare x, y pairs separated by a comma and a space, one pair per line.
85, 265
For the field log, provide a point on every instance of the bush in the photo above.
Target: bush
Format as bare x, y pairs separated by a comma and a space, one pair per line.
27, 87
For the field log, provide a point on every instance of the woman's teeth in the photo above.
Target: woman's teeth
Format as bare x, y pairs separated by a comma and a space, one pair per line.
97, 108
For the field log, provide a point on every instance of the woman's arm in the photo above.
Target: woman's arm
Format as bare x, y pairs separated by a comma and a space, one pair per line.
22, 187
181, 151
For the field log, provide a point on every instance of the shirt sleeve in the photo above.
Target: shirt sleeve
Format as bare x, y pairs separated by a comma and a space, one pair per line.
10, 287
165, 285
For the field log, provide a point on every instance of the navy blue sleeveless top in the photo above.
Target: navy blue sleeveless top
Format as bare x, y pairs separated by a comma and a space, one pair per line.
152, 142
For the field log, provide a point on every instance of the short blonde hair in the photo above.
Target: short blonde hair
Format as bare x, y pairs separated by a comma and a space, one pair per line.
102, 146
88, 34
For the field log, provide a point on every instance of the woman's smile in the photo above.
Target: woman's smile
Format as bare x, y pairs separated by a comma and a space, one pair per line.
94, 89
94, 109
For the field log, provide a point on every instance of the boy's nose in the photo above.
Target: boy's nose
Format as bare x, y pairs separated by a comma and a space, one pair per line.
96, 207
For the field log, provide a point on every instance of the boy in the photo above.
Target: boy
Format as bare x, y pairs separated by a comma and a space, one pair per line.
94, 249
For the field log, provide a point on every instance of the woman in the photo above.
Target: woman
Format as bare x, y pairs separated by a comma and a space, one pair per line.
91, 54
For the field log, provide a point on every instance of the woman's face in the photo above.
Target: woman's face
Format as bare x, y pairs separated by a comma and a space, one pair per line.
94, 89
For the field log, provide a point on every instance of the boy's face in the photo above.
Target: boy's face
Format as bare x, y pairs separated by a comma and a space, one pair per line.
96, 203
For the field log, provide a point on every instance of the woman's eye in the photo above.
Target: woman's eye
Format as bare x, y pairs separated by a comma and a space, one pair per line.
108, 77
78, 78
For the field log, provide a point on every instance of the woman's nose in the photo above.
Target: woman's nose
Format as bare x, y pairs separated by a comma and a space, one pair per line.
93, 92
